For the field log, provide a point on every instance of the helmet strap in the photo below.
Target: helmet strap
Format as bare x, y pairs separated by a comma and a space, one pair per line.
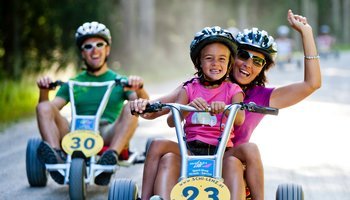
206, 82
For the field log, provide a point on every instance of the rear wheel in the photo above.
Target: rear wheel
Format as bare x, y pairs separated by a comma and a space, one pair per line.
77, 173
125, 189
289, 192
36, 171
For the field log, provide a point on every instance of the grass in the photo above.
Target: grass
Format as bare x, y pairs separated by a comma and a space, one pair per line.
17, 101
19, 98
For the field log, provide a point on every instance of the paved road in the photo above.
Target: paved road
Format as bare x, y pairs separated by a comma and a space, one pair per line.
306, 144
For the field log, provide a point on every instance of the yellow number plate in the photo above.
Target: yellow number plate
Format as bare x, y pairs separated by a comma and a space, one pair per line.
89, 142
200, 187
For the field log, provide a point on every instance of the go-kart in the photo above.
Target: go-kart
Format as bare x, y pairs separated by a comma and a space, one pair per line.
83, 146
201, 175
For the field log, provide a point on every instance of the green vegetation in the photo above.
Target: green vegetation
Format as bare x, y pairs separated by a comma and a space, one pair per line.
17, 100
153, 42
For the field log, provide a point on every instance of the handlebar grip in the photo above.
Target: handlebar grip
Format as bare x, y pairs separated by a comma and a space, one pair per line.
125, 83
266, 110
154, 107
55, 84
252, 107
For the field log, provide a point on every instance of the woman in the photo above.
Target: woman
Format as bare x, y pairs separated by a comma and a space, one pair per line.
254, 46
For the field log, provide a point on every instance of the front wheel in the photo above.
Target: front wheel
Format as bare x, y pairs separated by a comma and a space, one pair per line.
123, 189
36, 171
77, 173
289, 192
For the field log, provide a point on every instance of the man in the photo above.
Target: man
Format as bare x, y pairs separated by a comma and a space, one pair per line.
117, 124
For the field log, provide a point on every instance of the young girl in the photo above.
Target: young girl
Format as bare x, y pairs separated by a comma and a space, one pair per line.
212, 51
212, 59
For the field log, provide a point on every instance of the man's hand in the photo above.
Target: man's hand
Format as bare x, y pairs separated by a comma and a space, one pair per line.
135, 83
44, 83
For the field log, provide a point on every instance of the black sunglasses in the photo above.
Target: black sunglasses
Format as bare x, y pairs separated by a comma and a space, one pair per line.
245, 55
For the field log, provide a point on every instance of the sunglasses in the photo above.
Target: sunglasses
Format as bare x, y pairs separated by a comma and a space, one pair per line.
245, 55
90, 46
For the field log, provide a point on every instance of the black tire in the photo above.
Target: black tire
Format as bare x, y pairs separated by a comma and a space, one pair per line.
36, 171
125, 189
289, 192
77, 174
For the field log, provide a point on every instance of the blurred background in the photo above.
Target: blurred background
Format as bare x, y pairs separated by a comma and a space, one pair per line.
150, 37
307, 143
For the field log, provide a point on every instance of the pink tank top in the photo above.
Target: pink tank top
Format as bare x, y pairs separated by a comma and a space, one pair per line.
203, 126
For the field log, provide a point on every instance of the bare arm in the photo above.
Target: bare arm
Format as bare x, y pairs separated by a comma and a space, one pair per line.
136, 84
139, 105
291, 94
182, 98
240, 117
43, 85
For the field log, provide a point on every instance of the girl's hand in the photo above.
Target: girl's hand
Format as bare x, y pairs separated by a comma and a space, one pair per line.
199, 103
297, 22
217, 107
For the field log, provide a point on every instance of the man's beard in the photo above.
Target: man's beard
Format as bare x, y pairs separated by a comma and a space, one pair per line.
91, 69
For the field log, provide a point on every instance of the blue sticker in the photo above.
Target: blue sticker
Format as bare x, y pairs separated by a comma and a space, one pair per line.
200, 167
84, 124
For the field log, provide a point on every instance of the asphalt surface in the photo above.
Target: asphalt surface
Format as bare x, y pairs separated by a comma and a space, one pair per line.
306, 144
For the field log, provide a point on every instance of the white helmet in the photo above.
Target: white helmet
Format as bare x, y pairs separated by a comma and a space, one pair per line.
92, 29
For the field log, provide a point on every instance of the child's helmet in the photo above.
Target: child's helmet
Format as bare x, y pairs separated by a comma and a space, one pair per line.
260, 41
92, 29
210, 35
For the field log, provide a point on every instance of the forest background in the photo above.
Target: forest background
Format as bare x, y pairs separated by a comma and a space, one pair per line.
150, 38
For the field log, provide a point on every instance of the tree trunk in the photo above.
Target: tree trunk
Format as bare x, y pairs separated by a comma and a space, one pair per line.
129, 31
12, 58
346, 22
335, 15
147, 27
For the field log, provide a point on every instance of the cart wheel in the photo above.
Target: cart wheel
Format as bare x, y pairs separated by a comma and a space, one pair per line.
77, 173
124, 189
36, 171
289, 192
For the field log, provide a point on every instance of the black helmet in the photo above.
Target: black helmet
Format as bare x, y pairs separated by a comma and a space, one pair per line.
258, 40
210, 35
92, 29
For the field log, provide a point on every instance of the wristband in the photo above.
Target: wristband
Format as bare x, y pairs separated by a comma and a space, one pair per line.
312, 57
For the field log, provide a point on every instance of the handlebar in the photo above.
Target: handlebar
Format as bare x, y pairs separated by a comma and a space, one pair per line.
119, 81
55, 84
250, 107
124, 82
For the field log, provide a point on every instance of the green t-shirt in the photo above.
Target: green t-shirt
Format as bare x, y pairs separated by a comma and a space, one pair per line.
87, 99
